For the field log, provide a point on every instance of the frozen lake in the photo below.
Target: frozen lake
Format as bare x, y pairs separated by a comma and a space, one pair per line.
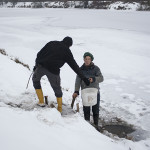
119, 41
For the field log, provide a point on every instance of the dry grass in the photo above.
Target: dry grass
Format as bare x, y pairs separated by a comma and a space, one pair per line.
19, 62
3, 52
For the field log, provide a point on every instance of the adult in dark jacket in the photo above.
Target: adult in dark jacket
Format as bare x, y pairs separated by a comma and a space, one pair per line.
48, 62
93, 73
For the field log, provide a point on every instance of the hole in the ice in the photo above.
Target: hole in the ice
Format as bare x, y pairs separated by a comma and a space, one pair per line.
122, 129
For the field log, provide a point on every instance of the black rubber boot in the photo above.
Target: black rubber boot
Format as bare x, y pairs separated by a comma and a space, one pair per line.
87, 117
95, 119
86, 110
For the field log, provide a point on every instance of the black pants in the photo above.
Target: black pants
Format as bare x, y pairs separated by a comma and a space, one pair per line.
53, 79
95, 110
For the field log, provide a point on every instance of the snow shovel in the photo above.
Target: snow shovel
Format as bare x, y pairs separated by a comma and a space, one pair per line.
46, 100
72, 104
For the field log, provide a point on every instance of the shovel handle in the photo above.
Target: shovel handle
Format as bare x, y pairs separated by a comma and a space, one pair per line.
46, 100
72, 104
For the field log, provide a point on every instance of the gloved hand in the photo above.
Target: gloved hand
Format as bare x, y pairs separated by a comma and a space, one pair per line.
34, 68
86, 81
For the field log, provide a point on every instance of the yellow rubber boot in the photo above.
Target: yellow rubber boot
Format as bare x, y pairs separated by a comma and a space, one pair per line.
59, 102
40, 96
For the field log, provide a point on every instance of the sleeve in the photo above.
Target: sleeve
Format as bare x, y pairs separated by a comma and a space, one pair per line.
72, 63
98, 75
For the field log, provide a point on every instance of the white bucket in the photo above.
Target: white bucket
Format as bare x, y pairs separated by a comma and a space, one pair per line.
89, 96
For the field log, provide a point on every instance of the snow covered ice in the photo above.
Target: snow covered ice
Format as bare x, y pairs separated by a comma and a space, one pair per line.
120, 43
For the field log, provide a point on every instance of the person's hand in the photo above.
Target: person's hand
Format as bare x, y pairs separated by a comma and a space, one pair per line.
86, 81
91, 80
74, 95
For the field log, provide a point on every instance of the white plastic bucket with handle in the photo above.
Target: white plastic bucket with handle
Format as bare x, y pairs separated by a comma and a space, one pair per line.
89, 96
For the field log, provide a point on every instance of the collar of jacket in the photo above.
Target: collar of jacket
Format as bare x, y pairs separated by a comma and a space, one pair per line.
64, 44
84, 67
